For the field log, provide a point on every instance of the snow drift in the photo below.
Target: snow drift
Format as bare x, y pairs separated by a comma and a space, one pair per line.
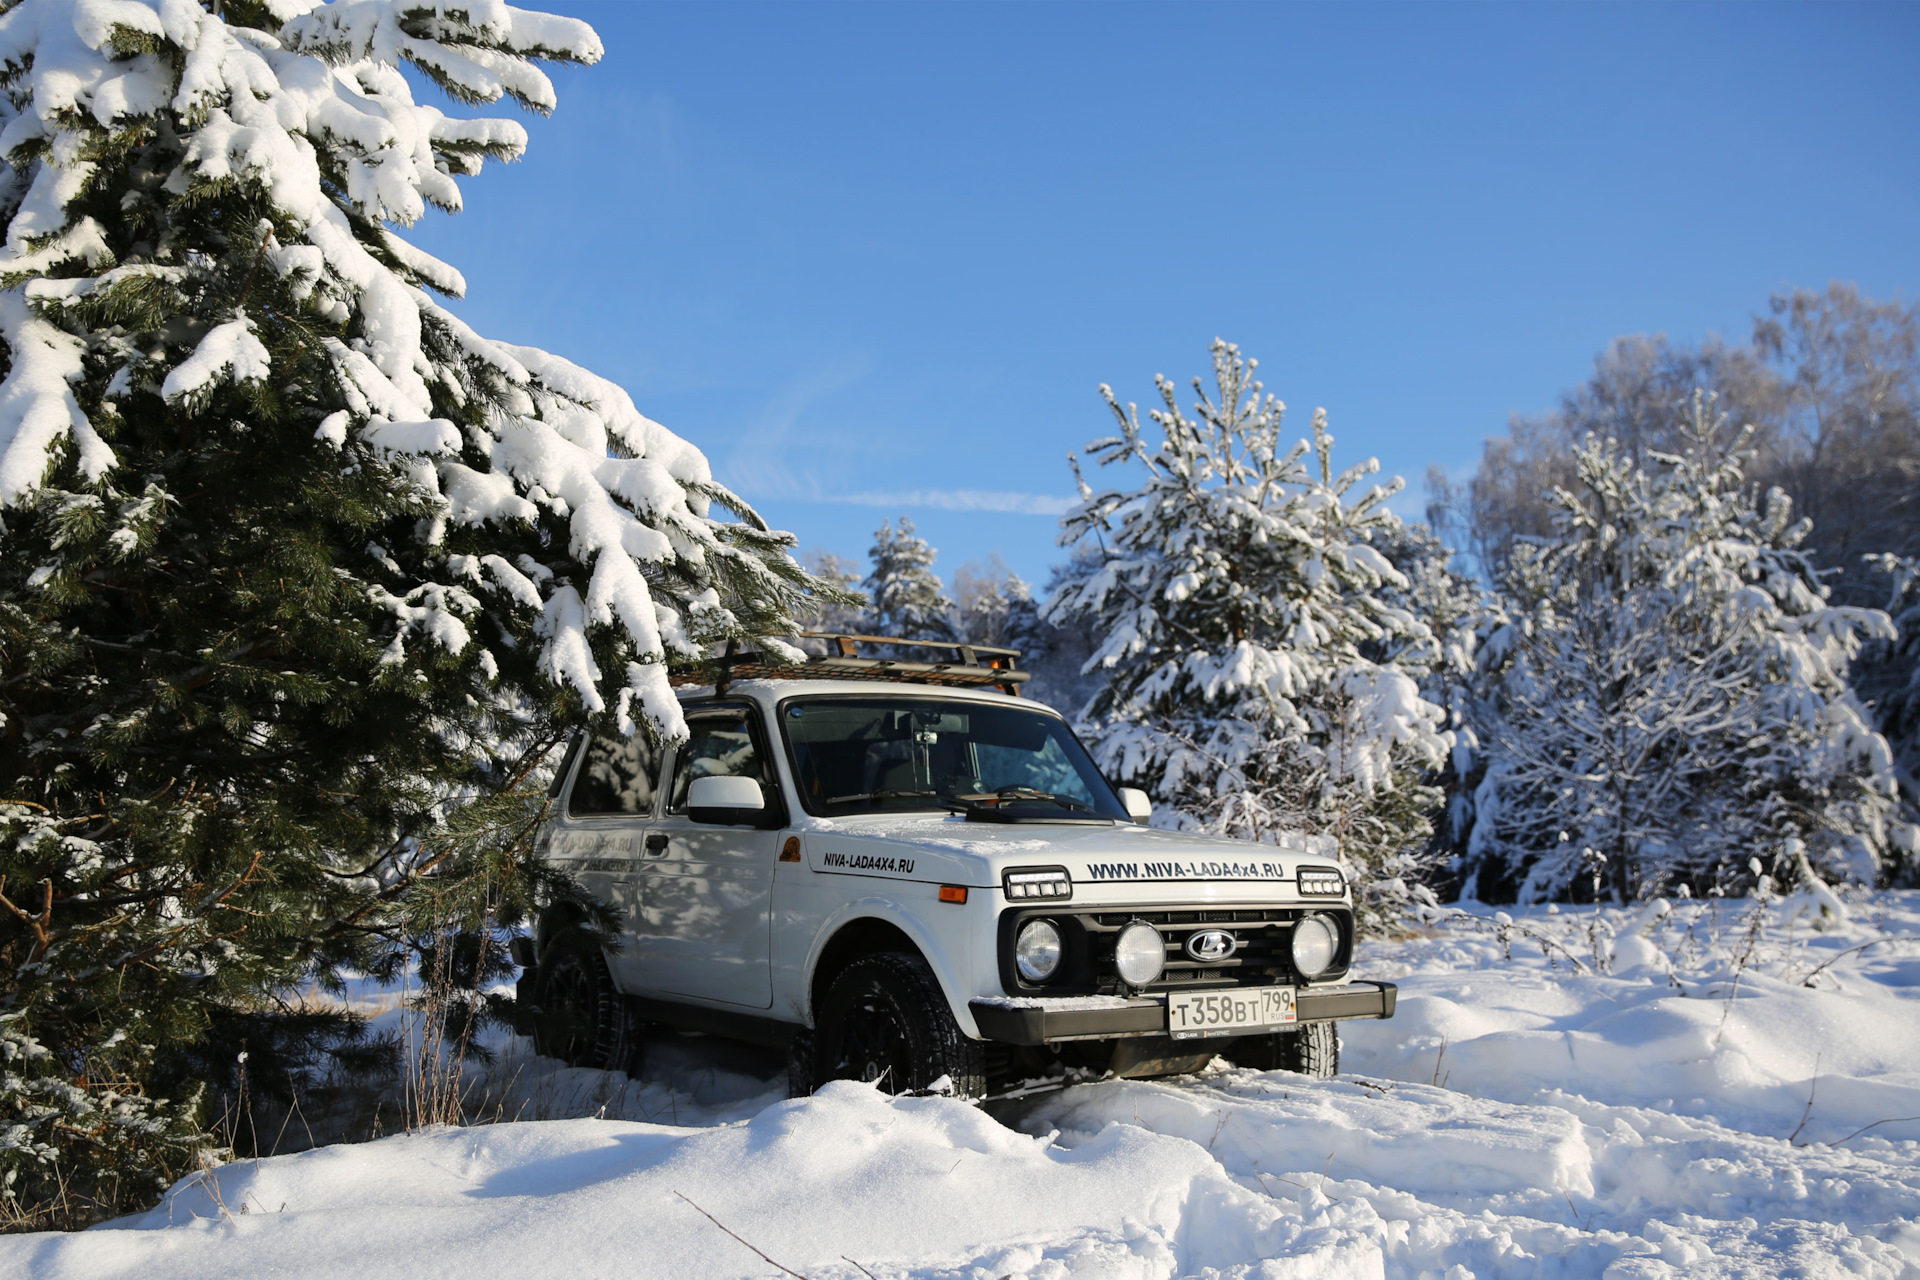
1520, 1118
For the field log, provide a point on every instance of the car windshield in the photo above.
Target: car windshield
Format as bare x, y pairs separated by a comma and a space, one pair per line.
882, 755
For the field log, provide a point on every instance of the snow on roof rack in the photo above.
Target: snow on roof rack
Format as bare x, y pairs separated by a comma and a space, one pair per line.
977, 666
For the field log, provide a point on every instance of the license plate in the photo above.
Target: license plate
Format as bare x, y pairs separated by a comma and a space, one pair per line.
1228, 1013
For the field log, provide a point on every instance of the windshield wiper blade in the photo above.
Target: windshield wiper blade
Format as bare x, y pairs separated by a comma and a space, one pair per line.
883, 794
1009, 794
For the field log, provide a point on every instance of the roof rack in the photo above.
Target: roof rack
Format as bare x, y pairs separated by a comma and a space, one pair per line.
976, 666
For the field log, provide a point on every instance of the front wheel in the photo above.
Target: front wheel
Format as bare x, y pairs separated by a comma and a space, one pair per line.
886, 1020
1312, 1050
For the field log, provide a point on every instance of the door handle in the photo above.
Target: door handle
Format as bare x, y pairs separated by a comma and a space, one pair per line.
656, 844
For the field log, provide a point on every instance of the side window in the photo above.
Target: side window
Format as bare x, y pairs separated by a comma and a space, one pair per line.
719, 746
617, 776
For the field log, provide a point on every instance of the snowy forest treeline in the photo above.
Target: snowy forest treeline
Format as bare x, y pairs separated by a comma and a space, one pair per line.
1666, 639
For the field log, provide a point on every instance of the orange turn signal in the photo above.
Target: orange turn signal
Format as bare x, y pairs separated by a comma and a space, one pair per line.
790, 852
953, 893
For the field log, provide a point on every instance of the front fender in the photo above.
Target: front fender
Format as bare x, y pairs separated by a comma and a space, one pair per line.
946, 949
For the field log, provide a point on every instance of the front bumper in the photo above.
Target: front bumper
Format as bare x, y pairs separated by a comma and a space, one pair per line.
1044, 1021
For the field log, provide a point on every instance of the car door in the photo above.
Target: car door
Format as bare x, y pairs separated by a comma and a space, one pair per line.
708, 917
602, 840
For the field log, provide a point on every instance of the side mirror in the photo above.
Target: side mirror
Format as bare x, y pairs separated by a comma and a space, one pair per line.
727, 802
1139, 808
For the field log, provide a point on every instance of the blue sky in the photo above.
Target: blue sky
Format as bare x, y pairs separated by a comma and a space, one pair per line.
875, 259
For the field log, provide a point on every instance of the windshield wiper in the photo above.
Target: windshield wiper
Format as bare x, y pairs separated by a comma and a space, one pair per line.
884, 794
1007, 795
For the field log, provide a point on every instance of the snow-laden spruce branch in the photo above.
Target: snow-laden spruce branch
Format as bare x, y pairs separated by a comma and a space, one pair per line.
314, 123
302, 575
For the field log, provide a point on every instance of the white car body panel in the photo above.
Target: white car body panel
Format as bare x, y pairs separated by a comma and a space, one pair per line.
705, 928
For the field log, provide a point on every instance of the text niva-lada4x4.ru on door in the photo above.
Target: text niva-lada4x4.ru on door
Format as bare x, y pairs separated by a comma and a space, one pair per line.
925, 886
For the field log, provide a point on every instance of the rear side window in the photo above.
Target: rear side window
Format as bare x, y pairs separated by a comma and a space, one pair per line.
718, 746
618, 776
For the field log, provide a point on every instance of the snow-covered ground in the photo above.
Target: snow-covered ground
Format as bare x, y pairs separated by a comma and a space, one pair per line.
1726, 1101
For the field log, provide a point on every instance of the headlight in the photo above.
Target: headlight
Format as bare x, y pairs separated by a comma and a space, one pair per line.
1039, 882
1139, 954
1036, 952
1316, 942
1322, 881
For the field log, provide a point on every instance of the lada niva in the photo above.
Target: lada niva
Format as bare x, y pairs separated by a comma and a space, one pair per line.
903, 872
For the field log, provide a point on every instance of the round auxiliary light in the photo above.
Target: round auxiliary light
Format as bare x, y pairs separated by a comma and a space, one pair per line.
1140, 953
1036, 952
1316, 943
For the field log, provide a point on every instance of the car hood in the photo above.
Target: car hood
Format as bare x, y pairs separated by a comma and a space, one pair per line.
948, 848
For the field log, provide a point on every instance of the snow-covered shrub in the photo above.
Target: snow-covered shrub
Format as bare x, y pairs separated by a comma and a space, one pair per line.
1668, 697
134, 1146
1261, 677
292, 557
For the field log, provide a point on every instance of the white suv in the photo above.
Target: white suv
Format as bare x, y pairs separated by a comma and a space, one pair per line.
927, 886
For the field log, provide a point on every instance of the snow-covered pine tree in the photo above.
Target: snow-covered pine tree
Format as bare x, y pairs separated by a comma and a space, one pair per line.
1058, 650
907, 598
1022, 627
1455, 610
994, 604
1897, 664
983, 611
1669, 701
1238, 595
291, 555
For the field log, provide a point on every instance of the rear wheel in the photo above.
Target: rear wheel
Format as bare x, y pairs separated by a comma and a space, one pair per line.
1312, 1050
580, 1017
886, 1020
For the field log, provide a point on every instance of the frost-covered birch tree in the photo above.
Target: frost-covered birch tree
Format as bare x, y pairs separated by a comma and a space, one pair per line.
1260, 680
1669, 700
290, 554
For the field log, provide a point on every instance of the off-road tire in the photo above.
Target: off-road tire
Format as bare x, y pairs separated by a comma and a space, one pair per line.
885, 1019
1312, 1050
580, 1017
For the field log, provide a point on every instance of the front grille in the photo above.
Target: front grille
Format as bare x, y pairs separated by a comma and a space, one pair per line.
1263, 952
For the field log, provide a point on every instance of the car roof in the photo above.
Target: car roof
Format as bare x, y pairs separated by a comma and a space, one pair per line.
772, 691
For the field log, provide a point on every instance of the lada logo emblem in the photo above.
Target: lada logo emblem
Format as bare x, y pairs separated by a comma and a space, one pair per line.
1210, 945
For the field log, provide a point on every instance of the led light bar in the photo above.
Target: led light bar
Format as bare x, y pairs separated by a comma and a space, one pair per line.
1037, 883
1322, 881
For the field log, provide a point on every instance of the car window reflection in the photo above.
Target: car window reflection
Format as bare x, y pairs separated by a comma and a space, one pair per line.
616, 777
715, 748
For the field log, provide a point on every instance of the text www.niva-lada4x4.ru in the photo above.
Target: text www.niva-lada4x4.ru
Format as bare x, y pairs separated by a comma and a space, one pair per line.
1186, 871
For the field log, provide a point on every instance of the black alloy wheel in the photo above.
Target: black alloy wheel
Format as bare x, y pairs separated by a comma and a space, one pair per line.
1313, 1049
580, 1016
886, 1021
